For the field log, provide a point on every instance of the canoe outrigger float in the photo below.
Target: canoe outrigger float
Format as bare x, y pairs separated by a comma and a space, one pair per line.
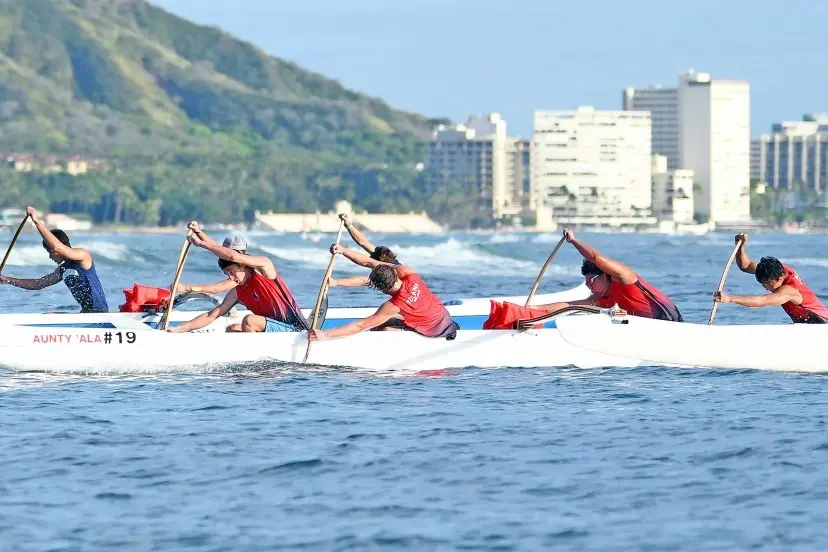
107, 343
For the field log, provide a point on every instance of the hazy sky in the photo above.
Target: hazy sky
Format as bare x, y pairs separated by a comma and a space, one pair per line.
455, 57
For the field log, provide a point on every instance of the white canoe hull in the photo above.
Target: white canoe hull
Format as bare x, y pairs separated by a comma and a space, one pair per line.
586, 341
149, 350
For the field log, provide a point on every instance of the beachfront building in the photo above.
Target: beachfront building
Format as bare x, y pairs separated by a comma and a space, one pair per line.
481, 155
703, 125
591, 165
672, 192
518, 176
714, 126
794, 154
662, 103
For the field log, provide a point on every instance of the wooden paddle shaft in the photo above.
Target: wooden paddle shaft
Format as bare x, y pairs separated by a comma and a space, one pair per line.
323, 289
543, 271
182, 258
14, 240
722, 281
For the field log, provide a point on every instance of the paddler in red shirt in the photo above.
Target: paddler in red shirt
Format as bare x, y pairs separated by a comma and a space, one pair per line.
412, 305
614, 283
785, 286
259, 287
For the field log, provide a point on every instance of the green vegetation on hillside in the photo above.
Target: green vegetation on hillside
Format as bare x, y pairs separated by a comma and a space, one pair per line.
191, 122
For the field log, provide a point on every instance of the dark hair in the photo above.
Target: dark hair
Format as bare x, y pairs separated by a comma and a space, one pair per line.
383, 254
588, 267
61, 236
224, 263
769, 269
383, 278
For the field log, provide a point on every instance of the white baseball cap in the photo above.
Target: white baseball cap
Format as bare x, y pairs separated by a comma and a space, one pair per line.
236, 243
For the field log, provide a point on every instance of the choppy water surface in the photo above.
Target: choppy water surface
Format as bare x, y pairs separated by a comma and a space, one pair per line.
263, 458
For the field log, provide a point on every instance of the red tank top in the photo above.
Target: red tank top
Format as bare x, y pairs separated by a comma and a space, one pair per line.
641, 299
421, 309
263, 297
811, 311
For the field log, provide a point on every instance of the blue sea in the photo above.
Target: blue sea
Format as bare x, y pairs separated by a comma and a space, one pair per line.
271, 457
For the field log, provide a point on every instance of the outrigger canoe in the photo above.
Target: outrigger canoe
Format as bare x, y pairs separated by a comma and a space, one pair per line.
109, 343
579, 340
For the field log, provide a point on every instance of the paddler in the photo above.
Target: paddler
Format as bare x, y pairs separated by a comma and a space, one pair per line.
614, 283
379, 253
412, 306
76, 269
258, 286
785, 286
236, 243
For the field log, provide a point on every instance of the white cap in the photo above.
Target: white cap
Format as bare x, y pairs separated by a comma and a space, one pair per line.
236, 243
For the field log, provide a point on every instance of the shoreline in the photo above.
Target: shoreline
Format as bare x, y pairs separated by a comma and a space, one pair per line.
172, 230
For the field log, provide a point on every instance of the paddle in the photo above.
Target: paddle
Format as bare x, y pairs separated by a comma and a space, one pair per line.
722, 281
323, 289
543, 271
182, 258
14, 240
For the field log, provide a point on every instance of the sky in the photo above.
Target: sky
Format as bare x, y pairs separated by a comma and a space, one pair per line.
452, 58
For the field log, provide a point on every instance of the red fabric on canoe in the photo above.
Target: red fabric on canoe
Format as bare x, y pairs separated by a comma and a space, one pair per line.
141, 298
503, 315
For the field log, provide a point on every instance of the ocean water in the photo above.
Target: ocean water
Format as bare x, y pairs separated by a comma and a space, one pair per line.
267, 457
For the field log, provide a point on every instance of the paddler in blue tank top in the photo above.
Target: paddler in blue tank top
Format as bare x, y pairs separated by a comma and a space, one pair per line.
75, 268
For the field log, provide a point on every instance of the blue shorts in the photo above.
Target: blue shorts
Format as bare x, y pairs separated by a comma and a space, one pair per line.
276, 326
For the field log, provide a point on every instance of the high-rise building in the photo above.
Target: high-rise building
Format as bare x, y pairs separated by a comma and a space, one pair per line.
714, 117
591, 163
672, 192
757, 159
703, 125
794, 154
480, 155
662, 103
518, 162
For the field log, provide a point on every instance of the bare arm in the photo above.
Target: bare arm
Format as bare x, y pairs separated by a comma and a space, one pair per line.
778, 297
617, 270
71, 253
357, 258
358, 236
262, 264
196, 229
351, 281
219, 287
366, 261
208, 317
592, 300
40, 283
386, 312
742, 260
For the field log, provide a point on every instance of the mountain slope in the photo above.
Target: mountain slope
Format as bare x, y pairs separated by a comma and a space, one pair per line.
193, 122
103, 76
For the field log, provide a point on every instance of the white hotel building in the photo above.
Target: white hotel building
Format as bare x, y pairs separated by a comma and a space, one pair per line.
482, 156
703, 125
591, 164
793, 155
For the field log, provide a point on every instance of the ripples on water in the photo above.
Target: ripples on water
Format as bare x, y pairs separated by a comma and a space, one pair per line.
263, 457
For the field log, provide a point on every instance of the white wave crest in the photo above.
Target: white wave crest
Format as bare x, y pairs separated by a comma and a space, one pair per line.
112, 251
451, 256
505, 238
35, 255
807, 261
29, 255
552, 237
